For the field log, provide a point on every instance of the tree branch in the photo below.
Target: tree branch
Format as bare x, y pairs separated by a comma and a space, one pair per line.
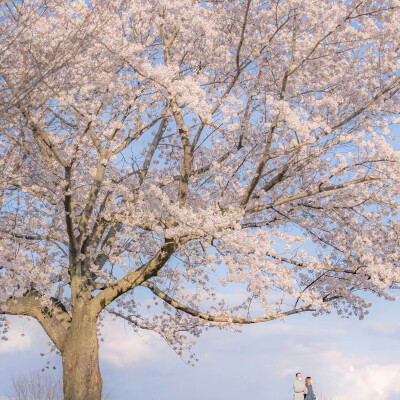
187, 154
310, 193
135, 278
94, 191
125, 143
260, 168
214, 318
152, 149
55, 321
73, 246
33, 193
241, 40
266, 155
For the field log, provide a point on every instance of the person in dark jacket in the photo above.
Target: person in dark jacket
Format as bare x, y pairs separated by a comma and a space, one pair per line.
310, 393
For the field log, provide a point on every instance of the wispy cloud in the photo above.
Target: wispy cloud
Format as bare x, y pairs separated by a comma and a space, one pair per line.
390, 329
19, 338
124, 348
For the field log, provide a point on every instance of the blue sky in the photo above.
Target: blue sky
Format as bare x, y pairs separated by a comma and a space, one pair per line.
347, 358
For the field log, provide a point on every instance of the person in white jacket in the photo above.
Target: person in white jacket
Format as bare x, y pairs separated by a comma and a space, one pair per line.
299, 389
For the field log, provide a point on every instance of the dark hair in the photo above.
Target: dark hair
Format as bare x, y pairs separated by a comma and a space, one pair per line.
308, 377
298, 373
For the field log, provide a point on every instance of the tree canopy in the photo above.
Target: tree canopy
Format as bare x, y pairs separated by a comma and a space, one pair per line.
183, 146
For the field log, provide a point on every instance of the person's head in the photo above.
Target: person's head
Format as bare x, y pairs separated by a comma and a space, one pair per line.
298, 376
308, 381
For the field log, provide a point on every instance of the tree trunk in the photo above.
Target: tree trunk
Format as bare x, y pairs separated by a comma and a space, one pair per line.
81, 372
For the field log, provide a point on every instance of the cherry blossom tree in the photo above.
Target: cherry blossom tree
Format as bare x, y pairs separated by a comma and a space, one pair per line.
175, 148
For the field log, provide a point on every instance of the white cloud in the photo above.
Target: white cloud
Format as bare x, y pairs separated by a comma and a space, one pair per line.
357, 376
19, 336
123, 348
15, 343
371, 382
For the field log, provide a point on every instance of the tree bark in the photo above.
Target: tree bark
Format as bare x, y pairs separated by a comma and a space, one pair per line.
81, 372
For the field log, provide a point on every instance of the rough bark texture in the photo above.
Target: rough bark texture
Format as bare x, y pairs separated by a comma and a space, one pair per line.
81, 372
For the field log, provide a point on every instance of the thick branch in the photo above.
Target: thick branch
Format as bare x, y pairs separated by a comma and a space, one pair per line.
94, 191
134, 278
187, 154
55, 321
40, 137
73, 246
214, 318
276, 179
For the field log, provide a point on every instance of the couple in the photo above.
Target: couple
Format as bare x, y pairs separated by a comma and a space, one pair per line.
302, 392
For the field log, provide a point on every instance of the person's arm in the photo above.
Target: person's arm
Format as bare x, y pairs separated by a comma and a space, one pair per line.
305, 390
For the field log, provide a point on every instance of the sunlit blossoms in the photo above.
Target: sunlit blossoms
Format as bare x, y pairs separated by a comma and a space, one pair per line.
186, 164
